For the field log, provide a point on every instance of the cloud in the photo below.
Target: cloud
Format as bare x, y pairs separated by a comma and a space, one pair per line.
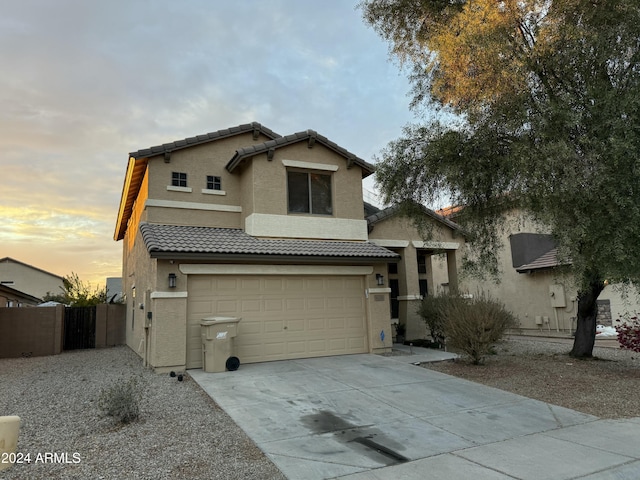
85, 83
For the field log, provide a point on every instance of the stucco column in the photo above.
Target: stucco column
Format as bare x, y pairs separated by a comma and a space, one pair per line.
378, 309
452, 271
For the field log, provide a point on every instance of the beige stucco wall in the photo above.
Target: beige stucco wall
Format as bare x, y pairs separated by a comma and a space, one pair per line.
264, 190
377, 304
29, 280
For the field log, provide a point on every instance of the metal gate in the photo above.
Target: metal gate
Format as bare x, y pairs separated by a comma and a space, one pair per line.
79, 328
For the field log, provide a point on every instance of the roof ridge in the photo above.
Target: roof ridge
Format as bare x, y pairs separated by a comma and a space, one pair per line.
282, 141
204, 138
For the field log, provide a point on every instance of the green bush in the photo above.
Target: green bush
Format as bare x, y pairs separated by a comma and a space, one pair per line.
122, 400
474, 325
433, 311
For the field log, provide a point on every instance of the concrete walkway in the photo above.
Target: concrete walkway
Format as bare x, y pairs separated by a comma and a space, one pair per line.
372, 417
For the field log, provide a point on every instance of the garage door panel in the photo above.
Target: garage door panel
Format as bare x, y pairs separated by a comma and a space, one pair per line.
274, 349
296, 348
322, 315
223, 284
337, 344
316, 324
273, 305
249, 327
271, 326
249, 305
226, 307
317, 346
295, 304
315, 303
250, 283
355, 343
354, 323
335, 303
273, 285
294, 326
294, 284
337, 323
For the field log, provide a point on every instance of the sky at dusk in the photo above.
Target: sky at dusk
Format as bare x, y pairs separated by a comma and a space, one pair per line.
86, 82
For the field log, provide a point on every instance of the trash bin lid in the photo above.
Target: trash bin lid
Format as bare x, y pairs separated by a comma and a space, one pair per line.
232, 364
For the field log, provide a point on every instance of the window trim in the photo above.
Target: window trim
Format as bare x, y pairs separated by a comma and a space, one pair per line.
171, 188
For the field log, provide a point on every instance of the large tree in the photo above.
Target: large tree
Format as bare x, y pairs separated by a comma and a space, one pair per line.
543, 101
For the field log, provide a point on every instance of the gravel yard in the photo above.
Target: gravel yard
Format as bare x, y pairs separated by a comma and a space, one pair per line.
606, 386
182, 433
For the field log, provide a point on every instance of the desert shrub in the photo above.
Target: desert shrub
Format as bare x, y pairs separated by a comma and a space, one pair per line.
433, 311
474, 325
629, 334
122, 400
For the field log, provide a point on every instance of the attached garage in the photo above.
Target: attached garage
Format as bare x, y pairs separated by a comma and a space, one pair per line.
294, 298
283, 316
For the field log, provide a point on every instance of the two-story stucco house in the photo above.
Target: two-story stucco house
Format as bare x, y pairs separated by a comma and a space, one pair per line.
248, 224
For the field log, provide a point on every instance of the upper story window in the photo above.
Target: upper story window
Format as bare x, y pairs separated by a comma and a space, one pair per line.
214, 183
178, 179
309, 193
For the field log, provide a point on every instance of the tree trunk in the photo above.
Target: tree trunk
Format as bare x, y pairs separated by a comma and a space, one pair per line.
586, 322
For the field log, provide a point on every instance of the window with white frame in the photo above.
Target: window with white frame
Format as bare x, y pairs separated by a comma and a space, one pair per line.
309, 192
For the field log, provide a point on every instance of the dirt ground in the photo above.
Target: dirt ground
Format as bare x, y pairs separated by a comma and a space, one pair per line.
607, 386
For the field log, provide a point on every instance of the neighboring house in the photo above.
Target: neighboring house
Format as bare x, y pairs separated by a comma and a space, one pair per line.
532, 286
246, 223
28, 279
425, 267
114, 290
10, 297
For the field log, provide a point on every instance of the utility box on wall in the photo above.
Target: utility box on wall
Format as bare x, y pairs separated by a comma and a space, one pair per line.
556, 294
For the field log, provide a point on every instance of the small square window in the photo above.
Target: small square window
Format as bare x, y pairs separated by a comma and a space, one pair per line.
214, 183
178, 179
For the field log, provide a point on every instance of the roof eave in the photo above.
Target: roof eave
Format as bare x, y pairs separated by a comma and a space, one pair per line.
130, 190
367, 168
268, 258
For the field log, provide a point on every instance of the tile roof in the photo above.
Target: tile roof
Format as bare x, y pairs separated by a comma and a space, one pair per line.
310, 135
180, 239
207, 137
547, 260
394, 209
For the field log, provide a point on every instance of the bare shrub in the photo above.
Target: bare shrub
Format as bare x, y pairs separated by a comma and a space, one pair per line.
433, 311
122, 400
474, 325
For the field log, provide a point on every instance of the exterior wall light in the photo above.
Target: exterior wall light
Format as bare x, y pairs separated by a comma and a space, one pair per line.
172, 280
380, 279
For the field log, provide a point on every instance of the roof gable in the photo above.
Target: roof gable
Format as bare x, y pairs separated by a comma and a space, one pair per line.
395, 210
138, 163
310, 136
13, 260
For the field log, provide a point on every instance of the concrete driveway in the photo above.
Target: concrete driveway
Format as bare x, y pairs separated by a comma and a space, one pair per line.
374, 417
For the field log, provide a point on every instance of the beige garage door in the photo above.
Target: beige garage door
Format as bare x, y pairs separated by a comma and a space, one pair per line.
283, 317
